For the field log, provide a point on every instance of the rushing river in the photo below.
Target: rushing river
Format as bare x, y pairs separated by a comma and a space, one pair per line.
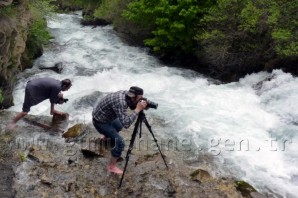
250, 133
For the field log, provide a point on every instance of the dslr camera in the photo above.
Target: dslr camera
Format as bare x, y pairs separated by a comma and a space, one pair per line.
62, 100
150, 104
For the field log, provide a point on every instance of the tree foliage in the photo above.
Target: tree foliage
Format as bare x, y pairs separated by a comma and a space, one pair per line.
283, 21
248, 31
173, 22
40, 10
111, 10
86, 4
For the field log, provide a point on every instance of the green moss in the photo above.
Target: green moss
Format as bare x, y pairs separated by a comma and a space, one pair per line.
244, 188
7, 11
22, 156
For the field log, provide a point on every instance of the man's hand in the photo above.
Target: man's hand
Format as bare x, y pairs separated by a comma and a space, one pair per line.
140, 106
60, 95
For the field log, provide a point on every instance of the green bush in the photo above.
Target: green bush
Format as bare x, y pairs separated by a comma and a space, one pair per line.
240, 32
173, 23
283, 23
38, 33
111, 10
86, 4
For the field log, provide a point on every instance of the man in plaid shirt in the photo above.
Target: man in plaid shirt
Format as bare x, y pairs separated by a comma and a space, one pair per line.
110, 115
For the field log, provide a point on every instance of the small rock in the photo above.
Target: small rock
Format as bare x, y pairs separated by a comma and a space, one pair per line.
58, 67
200, 176
90, 153
73, 131
71, 161
170, 191
68, 187
59, 118
45, 180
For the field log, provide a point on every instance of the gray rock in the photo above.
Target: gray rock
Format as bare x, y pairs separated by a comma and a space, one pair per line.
58, 67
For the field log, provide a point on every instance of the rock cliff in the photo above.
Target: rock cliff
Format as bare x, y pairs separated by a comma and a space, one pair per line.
15, 19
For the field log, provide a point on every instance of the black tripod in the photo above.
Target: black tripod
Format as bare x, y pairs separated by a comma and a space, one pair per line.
141, 118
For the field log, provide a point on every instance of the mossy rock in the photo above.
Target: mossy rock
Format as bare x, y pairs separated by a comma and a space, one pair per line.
73, 131
245, 188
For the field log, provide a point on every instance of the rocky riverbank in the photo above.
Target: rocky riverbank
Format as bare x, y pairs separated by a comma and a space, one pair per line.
37, 161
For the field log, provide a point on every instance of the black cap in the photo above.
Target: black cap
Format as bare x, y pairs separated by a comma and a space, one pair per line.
134, 91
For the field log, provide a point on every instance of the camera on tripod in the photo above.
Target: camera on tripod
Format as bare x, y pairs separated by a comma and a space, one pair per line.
150, 104
62, 100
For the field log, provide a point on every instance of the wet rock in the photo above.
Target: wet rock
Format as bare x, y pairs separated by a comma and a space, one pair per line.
257, 195
91, 153
89, 100
59, 122
58, 67
58, 119
78, 133
258, 86
94, 22
38, 123
200, 176
73, 131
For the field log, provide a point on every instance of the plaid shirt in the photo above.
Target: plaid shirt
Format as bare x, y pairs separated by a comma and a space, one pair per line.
113, 106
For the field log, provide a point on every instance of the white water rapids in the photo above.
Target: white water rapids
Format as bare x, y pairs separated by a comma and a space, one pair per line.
251, 134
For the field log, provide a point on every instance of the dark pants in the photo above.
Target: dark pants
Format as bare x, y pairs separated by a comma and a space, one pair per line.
111, 130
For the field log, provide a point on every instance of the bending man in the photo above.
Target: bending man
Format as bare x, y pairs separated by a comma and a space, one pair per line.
40, 89
110, 115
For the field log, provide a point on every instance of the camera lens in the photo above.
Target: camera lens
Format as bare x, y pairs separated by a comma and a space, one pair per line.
151, 104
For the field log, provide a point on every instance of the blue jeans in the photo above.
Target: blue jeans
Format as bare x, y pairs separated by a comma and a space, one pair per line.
111, 130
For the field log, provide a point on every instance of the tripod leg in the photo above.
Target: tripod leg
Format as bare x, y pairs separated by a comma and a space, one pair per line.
132, 140
149, 128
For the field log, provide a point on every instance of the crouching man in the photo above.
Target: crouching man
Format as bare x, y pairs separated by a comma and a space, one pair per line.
110, 115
